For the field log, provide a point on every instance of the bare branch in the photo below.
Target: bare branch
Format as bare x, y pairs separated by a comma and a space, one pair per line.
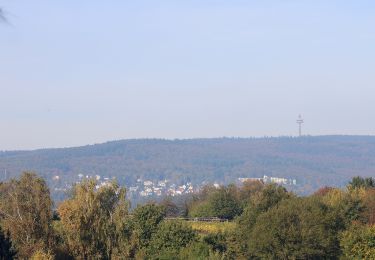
2, 15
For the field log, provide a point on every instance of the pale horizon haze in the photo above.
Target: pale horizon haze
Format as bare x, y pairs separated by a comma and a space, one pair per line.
82, 72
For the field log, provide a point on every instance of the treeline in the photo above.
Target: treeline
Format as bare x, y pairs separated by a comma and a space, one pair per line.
268, 222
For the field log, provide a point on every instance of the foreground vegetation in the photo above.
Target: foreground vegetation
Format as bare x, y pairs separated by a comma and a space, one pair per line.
264, 222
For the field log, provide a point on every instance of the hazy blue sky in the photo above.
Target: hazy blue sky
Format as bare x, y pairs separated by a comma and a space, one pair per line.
81, 72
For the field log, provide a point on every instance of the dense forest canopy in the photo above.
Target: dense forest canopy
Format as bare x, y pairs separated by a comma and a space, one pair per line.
312, 161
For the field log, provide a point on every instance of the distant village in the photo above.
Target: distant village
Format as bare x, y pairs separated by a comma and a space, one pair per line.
164, 187
151, 188
143, 188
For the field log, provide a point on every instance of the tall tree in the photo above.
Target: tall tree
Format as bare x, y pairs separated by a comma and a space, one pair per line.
26, 212
261, 201
146, 219
268, 197
224, 203
248, 189
299, 228
94, 220
211, 202
348, 205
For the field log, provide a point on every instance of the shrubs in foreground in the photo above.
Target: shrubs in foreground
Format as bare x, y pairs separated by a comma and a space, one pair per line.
266, 222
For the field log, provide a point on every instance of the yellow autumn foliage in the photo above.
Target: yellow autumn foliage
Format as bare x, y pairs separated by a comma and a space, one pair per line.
212, 227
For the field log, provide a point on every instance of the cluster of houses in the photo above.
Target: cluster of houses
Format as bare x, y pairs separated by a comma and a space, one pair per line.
160, 188
268, 179
64, 186
142, 188
149, 188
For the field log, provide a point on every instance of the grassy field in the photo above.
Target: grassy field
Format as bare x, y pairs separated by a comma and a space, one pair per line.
212, 227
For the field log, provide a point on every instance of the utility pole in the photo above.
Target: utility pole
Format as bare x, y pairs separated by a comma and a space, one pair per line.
300, 122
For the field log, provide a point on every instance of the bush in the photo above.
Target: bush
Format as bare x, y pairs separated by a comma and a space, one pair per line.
195, 251
171, 236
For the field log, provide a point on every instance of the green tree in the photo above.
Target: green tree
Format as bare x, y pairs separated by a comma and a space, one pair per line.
146, 219
94, 221
170, 238
263, 200
270, 196
248, 190
217, 241
299, 228
222, 203
358, 242
360, 182
26, 212
348, 205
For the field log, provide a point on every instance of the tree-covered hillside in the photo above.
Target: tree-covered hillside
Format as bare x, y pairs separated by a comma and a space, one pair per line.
312, 161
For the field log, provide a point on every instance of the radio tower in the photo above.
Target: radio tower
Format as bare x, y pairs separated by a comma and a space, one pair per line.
300, 122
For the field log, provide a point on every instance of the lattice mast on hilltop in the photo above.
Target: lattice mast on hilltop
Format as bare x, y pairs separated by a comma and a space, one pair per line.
300, 122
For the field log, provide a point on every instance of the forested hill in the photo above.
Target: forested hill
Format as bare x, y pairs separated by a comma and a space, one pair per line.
312, 161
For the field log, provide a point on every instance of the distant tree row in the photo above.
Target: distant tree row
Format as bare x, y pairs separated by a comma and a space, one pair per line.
268, 222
